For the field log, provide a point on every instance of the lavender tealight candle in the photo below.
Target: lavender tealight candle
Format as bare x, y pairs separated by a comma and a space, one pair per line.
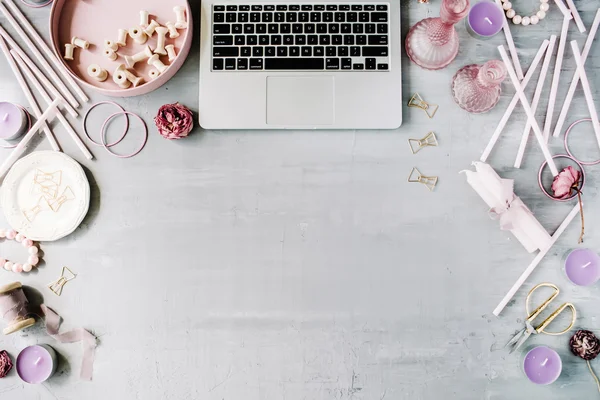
485, 20
35, 364
582, 267
13, 121
542, 365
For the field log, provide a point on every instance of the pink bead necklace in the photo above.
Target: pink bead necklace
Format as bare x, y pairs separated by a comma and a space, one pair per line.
32, 250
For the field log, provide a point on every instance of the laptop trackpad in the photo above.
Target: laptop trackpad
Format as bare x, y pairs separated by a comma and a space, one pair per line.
300, 100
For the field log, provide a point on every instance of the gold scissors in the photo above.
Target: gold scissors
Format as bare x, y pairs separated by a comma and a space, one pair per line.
517, 341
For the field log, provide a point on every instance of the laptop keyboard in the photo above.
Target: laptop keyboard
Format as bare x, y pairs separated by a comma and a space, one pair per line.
316, 37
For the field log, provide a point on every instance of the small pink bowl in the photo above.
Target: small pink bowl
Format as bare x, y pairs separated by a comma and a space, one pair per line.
98, 20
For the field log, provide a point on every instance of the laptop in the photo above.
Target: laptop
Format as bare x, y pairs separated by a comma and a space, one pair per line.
300, 65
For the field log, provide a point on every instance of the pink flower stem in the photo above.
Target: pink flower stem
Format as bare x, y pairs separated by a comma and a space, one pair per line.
576, 186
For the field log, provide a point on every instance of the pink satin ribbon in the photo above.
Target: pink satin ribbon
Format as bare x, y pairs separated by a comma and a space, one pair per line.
88, 341
508, 214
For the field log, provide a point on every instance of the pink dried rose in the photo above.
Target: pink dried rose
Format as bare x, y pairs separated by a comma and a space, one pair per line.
174, 121
565, 182
5, 363
563, 186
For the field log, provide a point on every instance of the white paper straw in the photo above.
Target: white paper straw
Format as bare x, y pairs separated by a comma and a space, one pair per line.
36, 36
576, 16
61, 86
538, 258
556, 78
528, 111
32, 103
563, 9
13, 45
513, 103
586, 50
49, 86
47, 115
589, 98
48, 100
536, 99
511, 45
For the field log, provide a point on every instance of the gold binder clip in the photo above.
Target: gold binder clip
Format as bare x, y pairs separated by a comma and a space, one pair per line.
417, 101
57, 286
429, 181
416, 145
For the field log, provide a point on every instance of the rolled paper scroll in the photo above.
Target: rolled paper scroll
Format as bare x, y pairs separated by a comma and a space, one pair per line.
508, 208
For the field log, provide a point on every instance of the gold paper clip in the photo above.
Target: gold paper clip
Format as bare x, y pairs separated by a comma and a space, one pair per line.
417, 101
428, 181
57, 286
428, 141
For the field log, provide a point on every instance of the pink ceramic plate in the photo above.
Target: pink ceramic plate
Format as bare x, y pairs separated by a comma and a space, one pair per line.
98, 20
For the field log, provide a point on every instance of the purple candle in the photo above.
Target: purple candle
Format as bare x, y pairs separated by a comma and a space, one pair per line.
582, 267
13, 121
35, 364
485, 20
542, 365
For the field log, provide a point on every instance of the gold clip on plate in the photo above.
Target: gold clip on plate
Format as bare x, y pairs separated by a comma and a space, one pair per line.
429, 181
416, 145
417, 101
57, 286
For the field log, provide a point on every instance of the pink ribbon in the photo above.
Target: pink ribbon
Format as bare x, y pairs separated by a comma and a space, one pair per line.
88, 341
509, 213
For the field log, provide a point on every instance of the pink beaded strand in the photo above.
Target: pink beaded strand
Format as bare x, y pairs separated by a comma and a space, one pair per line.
32, 250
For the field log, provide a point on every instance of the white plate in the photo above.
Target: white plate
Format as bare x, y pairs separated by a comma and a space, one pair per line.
45, 195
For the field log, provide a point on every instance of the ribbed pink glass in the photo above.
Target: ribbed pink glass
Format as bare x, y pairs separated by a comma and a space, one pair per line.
477, 88
432, 43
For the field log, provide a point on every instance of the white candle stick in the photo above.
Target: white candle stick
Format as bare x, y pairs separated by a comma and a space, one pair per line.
48, 115
48, 100
586, 50
504, 120
538, 258
511, 45
536, 99
589, 98
49, 53
48, 84
528, 111
563, 9
545, 362
587, 265
32, 103
24, 56
556, 78
576, 16
37, 361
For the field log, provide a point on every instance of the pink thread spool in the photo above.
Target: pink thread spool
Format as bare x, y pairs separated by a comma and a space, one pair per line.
13, 305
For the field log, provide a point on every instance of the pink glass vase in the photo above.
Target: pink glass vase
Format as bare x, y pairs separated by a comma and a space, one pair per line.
432, 43
477, 88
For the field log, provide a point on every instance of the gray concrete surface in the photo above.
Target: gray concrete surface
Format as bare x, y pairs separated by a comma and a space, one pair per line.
302, 265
